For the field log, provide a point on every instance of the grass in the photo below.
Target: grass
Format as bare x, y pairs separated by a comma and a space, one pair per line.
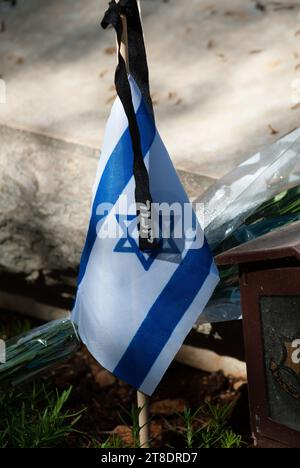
217, 433
110, 443
214, 433
133, 417
36, 418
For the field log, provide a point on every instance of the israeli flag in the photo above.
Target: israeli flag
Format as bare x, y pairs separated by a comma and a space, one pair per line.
134, 309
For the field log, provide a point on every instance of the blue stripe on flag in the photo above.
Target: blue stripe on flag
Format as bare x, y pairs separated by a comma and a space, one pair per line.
164, 316
116, 175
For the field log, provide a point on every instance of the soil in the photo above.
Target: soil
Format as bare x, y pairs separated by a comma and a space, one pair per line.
180, 386
107, 399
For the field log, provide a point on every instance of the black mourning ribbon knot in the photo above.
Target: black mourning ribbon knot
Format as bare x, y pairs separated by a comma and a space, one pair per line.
139, 71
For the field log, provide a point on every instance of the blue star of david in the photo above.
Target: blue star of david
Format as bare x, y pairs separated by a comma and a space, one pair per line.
129, 244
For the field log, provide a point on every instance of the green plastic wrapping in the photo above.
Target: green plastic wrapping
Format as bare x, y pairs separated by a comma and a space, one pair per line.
36, 351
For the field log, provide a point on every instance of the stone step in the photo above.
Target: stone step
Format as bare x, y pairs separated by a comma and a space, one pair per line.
45, 196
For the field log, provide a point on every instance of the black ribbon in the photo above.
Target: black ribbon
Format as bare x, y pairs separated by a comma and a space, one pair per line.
139, 71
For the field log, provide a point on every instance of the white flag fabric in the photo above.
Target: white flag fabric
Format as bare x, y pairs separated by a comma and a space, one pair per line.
134, 309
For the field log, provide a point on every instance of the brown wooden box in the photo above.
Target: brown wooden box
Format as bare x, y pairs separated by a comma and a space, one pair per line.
269, 272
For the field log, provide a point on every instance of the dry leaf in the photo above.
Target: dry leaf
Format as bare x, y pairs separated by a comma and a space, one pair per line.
297, 33
211, 44
297, 67
285, 7
102, 376
104, 379
167, 407
274, 63
156, 430
273, 131
296, 106
260, 6
110, 50
103, 73
222, 57
211, 8
124, 432
172, 95
255, 51
15, 58
111, 99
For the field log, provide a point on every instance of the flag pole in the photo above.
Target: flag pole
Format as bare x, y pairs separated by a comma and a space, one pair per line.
144, 421
142, 399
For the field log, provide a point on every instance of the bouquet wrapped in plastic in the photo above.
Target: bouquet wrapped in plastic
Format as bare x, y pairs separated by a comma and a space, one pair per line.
37, 350
258, 196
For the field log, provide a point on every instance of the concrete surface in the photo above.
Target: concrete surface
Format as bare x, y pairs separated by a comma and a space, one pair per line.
223, 74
